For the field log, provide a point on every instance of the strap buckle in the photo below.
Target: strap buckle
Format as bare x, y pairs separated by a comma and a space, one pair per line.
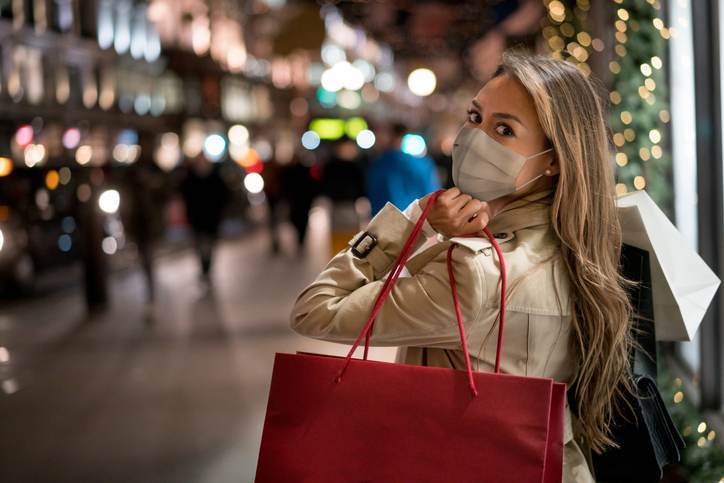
364, 245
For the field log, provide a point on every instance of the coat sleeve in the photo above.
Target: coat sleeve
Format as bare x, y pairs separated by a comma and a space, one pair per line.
418, 311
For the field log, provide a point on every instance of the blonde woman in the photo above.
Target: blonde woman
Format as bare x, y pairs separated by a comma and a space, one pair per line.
532, 164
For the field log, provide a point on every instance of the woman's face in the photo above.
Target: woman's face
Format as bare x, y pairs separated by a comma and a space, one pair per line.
504, 110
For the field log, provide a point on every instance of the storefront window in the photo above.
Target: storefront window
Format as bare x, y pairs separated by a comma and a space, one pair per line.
683, 120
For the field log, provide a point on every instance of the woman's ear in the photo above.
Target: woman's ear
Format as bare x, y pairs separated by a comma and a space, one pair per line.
552, 167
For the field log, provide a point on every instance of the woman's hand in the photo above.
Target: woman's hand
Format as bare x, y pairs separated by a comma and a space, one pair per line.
457, 214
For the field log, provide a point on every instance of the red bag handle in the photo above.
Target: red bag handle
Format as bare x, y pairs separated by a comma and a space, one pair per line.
394, 275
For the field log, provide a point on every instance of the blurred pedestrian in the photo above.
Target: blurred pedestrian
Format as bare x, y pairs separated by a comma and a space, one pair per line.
343, 175
275, 193
205, 194
300, 189
143, 214
399, 177
343, 183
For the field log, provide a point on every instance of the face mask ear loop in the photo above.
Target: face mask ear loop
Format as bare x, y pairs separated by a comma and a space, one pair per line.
533, 179
538, 154
528, 182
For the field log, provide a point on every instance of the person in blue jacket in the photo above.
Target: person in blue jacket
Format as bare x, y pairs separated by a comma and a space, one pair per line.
399, 177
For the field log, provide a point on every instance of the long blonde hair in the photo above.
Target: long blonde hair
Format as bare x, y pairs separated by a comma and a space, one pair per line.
583, 215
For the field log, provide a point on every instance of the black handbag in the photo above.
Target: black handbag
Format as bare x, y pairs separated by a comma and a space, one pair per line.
651, 441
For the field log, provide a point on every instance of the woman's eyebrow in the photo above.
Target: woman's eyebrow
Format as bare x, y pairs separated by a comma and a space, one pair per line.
506, 115
500, 115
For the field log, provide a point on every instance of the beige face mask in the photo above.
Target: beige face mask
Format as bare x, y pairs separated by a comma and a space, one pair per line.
485, 169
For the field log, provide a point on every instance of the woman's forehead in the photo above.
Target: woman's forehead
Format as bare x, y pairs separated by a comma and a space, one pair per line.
505, 93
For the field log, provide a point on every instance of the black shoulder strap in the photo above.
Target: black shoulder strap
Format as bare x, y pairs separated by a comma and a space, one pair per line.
635, 265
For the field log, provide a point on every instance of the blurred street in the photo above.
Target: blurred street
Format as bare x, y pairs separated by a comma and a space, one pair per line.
174, 173
179, 398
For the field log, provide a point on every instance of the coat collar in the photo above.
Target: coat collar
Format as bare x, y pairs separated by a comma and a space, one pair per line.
531, 210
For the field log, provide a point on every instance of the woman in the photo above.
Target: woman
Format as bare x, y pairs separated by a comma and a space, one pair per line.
533, 153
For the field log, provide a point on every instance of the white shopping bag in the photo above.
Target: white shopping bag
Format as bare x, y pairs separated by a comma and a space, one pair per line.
683, 285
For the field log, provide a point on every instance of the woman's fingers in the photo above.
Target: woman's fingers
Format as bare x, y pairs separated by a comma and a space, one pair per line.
470, 209
453, 200
449, 195
476, 224
457, 204
456, 213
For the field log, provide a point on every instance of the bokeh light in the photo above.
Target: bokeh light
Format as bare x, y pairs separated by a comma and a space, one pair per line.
422, 82
365, 139
310, 140
109, 201
413, 144
214, 147
254, 183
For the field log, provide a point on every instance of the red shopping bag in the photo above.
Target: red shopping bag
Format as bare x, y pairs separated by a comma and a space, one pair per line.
339, 419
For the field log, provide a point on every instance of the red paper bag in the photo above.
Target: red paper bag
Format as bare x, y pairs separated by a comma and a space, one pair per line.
335, 419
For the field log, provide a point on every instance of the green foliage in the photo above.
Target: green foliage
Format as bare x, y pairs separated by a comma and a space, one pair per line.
703, 458
640, 57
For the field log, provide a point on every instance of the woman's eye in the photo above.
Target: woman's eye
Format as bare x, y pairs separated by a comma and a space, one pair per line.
474, 117
504, 130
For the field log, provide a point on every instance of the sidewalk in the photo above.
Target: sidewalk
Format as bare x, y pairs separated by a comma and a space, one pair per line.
179, 398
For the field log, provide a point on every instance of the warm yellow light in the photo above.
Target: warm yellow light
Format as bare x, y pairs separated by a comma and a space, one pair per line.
6, 166
52, 178
646, 69
655, 136
621, 37
598, 45
615, 97
658, 23
678, 397
621, 189
614, 67
629, 134
643, 92
584, 39
567, 29
665, 33
644, 154
650, 84
656, 62
585, 68
557, 11
626, 117
639, 182
664, 116
622, 14
580, 54
618, 139
711, 436
556, 43
620, 50
701, 442
620, 25
549, 31
621, 159
657, 152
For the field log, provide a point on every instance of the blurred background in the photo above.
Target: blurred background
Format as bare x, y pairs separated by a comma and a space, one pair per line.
174, 172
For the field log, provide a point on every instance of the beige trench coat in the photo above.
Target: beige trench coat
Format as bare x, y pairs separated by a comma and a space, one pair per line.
419, 314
